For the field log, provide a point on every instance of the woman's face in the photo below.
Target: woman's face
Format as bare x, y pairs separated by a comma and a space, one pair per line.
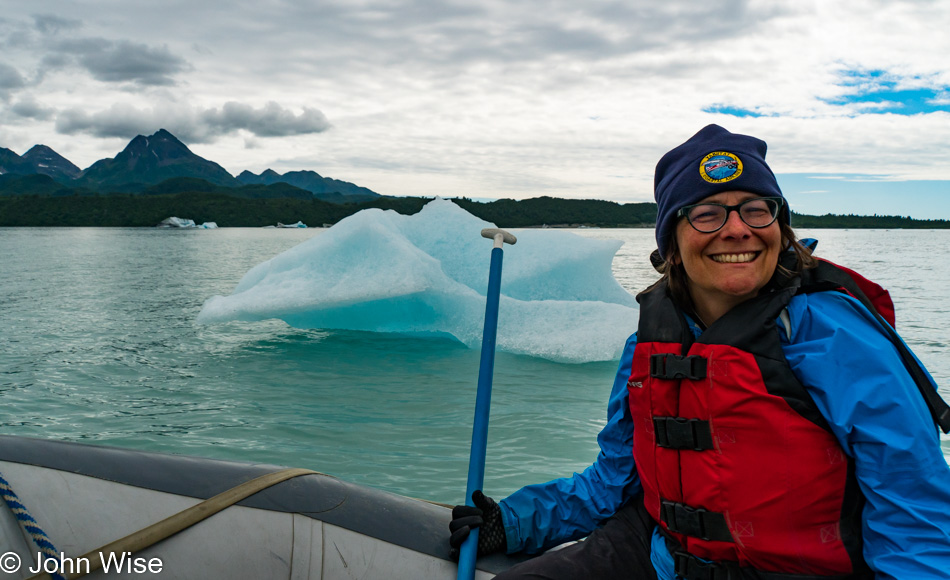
728, 266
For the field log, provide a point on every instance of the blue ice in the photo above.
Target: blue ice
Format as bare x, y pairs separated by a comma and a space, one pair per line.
427, 274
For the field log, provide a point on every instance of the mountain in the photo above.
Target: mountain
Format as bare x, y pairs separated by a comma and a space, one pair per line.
267, 176
45, 161
325, 188
10, 162
161, 164
150, 160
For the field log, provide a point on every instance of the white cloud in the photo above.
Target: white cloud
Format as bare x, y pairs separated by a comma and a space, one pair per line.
486, 98
941, 98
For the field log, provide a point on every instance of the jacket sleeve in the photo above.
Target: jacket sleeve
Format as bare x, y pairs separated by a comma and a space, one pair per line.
541, 516
856, 377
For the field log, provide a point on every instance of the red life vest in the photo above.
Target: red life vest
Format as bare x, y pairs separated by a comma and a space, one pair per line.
737, 463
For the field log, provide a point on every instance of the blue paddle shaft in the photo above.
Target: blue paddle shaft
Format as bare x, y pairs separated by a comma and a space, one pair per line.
476, 462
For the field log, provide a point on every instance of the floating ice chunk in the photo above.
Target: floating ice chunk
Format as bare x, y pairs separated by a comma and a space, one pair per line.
428, 274
176, 222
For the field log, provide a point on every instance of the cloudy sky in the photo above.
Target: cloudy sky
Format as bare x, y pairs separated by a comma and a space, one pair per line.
497, 98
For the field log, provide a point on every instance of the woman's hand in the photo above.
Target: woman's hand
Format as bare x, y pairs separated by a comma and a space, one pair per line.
485, 515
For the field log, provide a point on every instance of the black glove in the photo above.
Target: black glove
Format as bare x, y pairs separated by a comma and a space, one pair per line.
485, 515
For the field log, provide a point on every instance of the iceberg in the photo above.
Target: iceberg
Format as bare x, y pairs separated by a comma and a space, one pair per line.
427, 274
176, 222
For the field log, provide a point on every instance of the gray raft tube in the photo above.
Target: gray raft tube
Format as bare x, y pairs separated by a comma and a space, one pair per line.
311, 527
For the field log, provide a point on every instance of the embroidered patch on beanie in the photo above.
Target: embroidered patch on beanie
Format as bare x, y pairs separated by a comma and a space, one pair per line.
720, 167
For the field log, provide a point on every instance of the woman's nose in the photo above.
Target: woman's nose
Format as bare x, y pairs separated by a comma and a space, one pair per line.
734, 226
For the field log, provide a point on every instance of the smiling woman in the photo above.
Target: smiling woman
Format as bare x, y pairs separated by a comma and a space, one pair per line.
749, 353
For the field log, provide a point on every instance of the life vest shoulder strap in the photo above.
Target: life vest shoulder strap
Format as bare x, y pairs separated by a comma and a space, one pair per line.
874, 297
830, 276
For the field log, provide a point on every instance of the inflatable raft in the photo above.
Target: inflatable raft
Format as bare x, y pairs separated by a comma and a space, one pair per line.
292, 524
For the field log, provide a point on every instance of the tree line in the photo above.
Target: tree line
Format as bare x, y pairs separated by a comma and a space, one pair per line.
132, 210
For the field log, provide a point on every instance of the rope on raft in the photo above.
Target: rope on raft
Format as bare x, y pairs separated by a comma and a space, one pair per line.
152, 534
29, 523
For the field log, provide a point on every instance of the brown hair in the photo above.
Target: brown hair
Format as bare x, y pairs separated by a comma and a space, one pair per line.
675, 278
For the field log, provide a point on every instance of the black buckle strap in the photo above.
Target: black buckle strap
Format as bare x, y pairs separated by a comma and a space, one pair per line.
695, 522
673, 366
690, 567
682, 433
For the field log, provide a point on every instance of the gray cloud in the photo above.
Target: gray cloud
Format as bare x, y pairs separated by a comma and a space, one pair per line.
14, 35
10, 81
52, 24
270, 120
433, 33
54, 60
421, 39
116, 121
10, 78
122, 61
29, 108
193, 126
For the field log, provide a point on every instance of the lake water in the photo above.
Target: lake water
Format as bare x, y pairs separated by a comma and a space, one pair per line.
98, 344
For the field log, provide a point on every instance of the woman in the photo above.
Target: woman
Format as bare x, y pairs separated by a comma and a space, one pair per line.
761, 425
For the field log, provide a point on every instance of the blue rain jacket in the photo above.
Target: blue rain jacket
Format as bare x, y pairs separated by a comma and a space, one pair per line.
838, 350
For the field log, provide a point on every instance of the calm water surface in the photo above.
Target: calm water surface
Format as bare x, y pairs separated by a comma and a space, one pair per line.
98, 343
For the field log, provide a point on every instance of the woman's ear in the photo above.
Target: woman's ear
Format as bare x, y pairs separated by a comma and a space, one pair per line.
675, 257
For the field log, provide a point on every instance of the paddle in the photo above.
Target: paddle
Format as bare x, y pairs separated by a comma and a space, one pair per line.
476, 461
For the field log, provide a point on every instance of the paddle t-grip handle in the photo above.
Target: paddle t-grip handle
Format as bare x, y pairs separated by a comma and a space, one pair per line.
500, 236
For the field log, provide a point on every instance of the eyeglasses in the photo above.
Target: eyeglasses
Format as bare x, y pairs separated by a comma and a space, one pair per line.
757, 212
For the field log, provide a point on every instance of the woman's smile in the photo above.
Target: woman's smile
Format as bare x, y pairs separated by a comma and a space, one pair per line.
740, 258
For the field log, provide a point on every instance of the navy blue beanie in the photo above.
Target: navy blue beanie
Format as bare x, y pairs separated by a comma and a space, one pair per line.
711, 161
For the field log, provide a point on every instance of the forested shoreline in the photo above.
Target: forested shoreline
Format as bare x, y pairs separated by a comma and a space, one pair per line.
135, 210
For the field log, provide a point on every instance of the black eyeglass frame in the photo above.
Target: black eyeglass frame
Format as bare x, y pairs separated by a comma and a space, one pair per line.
780, 205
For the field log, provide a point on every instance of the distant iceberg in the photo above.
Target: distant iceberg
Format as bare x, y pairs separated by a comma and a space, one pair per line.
428, 273
299, 224
176, 222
